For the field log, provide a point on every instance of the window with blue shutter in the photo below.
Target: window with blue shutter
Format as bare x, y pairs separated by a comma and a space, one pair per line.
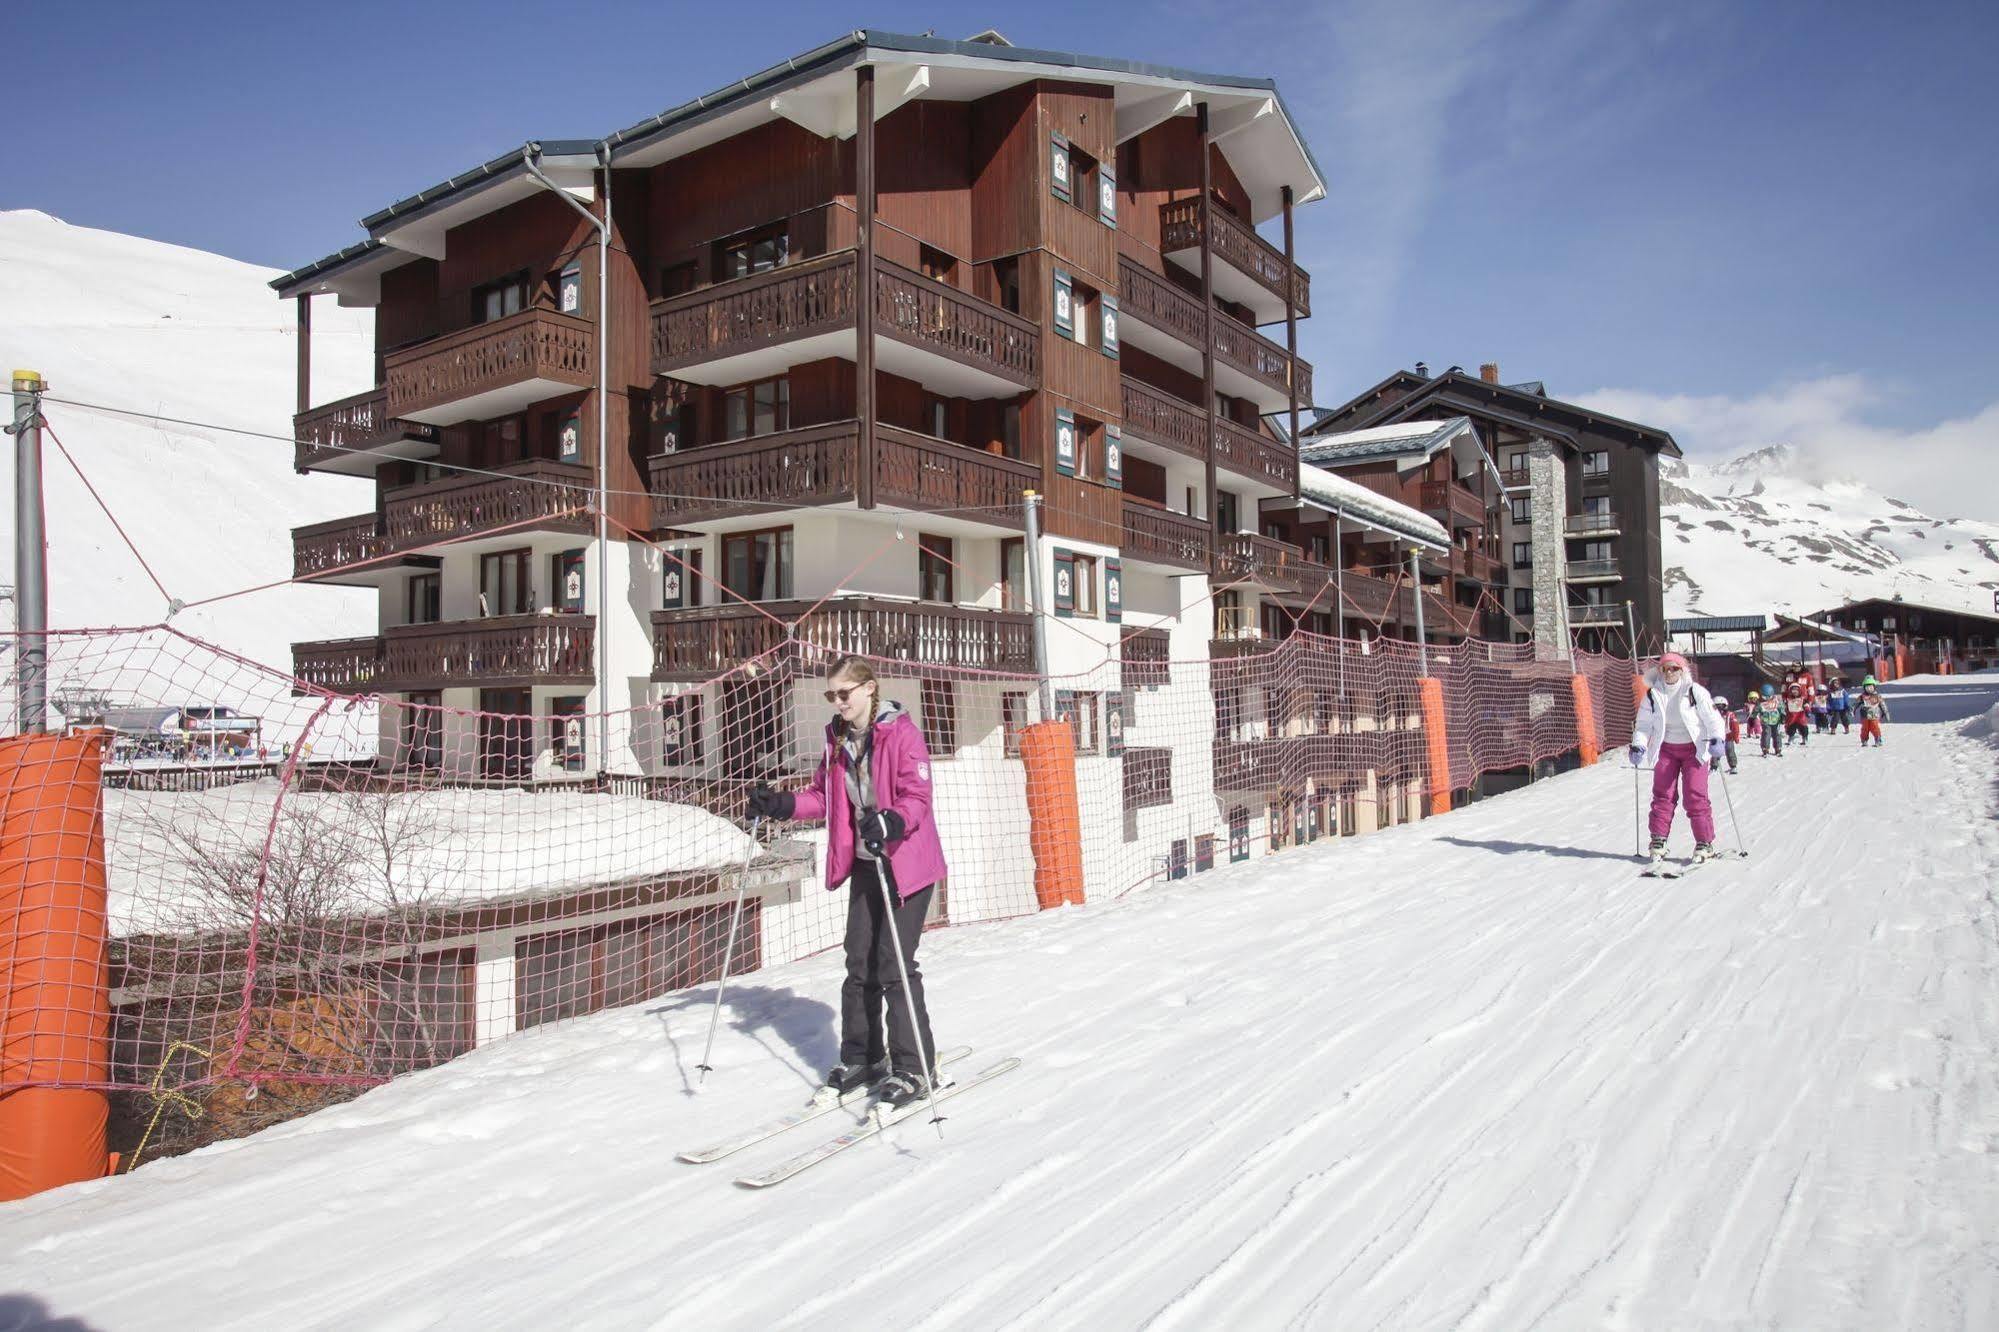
1107, 325
1114, 457
1058, 167
1107, 198
1065, 441
1113, 590
1065, 304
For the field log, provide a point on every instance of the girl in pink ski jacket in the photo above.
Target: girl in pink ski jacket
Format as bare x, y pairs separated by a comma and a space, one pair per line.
873, 788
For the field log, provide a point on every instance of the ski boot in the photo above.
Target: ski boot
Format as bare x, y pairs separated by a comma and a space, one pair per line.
843, 1078
1704, 851
901, 1089
1655, 854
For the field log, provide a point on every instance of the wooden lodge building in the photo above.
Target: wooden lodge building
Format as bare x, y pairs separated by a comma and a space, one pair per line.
884, 287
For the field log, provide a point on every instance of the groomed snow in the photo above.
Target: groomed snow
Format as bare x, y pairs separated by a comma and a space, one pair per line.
1468, 1073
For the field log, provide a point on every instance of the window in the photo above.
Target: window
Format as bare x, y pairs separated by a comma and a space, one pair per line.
680, 730
1083, 181
504, 585
1319, 549
1599, 550
1010, 430
1080, 708
1520, 507
425, 599
423, 730
680, 579
1006, 281
1516, 461
1523, 554
497, 300
1523, 601
565, 732
499, 442
756, 251
1228, 511
757, 565
1598, 595
1013, 574
1596, 463
678, 279
761, 408
1087, 302
936, 264
1013, 720
1086, 584
937, 417
566, 577
1596, 506
934, 569
1229, 617
939, 701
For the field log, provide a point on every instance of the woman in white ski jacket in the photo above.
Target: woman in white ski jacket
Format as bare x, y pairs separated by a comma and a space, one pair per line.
1677, 722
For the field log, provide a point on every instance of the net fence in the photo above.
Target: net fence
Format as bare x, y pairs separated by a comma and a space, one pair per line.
295, 892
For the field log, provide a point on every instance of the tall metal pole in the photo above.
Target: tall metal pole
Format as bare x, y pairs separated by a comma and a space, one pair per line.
1037, 609
1339, 580
1631, 634
1208, 329
865, 407
1416, 592
604, 617
1291, 335
31, 573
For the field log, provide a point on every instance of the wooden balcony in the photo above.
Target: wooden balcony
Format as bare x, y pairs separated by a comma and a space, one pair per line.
1249, 270
1154, 535
504, 651
1255, 764
1515, 478
1593, 571
538, 494
1155, 416
763, 324
1376, 600
1170, 323
339, 665
1476, 566
1591, 525
1144, 658
319, 549
819, 465
1278, 567
1148, 777
491, 369
1452, 503
356, 435
1443, 615
704, 641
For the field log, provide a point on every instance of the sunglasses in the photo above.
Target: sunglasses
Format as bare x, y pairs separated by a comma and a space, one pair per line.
842, 695
1673, 670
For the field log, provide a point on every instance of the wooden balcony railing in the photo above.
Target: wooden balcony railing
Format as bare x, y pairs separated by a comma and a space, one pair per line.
354, 425
1277, 565
702, 642
1442, 614
816, 465
558, 493
1477, 565
1453, 499
1592, 570
1148, 777
1153, 299
1243, 451
511, 651
1255, 765
817, 296
1237, 244
531, 345
342, 665
1164, 537
1144, 658
1165, 420
1590, 524
1514, 478
1371, 598
323, 548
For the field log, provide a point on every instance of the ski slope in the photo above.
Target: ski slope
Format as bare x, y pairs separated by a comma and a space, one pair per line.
1468, 1073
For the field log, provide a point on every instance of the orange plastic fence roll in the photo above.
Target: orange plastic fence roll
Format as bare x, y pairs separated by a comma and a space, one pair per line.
55, 1015
1588, 742
1054, 818
1431, 694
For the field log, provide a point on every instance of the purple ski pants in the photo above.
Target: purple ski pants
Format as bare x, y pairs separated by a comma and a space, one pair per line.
1681, 775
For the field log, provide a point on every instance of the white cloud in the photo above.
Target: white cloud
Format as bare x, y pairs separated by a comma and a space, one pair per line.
1945, 469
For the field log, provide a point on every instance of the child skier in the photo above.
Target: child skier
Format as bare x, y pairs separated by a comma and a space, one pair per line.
1797, 709
873, 789
1873, 711
1770, 720
1838, 706
1679, 722
1731, 729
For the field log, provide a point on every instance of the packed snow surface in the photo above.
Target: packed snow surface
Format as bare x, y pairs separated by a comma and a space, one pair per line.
1472, 1072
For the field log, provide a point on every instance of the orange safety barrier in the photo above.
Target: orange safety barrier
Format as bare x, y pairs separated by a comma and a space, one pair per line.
1430, 692
55, 1014
1055, 820
1588, 742
1638, 691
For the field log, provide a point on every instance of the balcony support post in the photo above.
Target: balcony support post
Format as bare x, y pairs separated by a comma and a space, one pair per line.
1416, 588
1208, 315
304, 352
864, 284
1039, 609
1291, 333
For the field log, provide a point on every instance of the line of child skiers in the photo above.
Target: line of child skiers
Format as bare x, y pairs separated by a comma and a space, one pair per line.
1680, 719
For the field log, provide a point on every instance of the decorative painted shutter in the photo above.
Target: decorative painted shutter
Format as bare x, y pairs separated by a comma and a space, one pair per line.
1114, 457
1065, 441
570, 438
1065, 584
1106, 197
1065, 304
1058, 167
1114, 723
1107, 322
569, 290
1113, 590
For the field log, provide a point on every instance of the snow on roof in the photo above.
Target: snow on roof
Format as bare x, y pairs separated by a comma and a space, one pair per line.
1382, 441
1350, 499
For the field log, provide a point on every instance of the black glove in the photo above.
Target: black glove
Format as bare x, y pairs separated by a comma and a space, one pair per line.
1714, 764
768, 804
879, 827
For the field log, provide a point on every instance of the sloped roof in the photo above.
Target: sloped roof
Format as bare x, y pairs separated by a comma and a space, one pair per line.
1469, 392
1395, 440
1350, 499
1718, 624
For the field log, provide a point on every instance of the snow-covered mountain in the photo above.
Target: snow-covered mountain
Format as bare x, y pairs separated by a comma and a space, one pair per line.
136, 324
1752, 535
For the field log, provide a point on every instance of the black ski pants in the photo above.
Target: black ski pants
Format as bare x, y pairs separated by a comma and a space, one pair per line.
873, 979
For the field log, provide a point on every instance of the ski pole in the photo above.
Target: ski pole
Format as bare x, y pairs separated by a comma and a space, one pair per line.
1637, 811
1729, 797
729, 949
887, 880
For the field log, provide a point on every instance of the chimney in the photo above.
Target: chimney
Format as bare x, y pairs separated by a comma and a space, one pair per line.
1489, 372
1423, 369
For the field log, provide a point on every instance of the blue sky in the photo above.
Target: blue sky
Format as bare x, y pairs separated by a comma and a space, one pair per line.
1687, 207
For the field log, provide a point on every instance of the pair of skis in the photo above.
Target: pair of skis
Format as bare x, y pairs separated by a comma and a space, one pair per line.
878, 1119
1668, 869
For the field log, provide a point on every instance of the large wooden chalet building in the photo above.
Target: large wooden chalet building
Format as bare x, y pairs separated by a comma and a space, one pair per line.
883, 287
